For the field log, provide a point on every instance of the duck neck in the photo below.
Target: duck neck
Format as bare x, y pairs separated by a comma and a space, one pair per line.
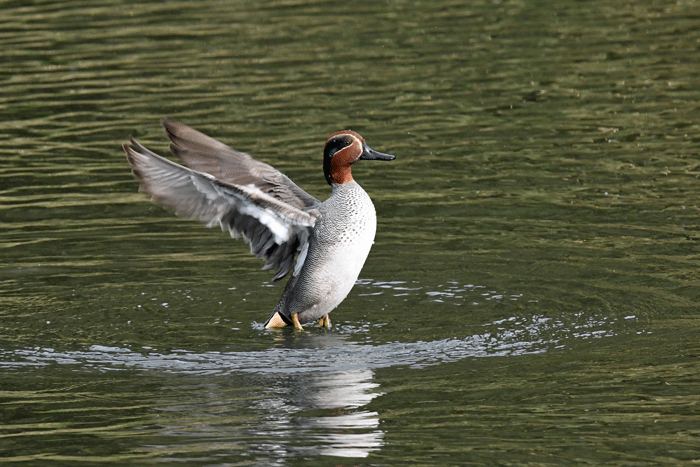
340, 172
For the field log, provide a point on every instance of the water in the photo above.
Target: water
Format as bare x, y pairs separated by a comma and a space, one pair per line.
531, 297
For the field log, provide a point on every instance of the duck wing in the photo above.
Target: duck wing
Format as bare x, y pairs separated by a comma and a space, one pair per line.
274, 229
204, 154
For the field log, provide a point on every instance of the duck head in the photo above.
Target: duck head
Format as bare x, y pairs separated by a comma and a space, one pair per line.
343, 149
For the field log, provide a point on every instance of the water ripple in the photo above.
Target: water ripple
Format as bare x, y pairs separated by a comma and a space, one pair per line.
332, 352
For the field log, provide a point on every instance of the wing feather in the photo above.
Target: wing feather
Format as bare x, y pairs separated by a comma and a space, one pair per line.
205, 154
274, 229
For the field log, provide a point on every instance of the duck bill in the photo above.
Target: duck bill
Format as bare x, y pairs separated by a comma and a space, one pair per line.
369, 154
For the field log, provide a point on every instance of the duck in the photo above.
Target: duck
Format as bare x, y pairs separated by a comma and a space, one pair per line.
218, 185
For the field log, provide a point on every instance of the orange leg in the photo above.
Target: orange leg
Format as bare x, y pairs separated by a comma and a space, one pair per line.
324, 322
295, 320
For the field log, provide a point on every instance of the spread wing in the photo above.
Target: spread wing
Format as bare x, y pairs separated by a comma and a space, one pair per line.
275, 229
204, 154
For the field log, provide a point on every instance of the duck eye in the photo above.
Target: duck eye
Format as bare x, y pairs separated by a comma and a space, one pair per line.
343, 143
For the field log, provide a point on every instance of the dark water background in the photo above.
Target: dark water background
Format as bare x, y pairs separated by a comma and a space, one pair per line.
532, 295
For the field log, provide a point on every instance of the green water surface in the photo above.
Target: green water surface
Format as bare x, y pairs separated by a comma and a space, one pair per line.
532, 294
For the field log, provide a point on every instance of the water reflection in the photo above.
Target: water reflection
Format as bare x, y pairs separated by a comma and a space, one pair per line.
317, 413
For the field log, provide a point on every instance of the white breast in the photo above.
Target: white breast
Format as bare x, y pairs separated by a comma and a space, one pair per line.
343, 236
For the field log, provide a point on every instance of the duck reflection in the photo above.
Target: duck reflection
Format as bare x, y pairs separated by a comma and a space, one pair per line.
321, 412
342, 428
